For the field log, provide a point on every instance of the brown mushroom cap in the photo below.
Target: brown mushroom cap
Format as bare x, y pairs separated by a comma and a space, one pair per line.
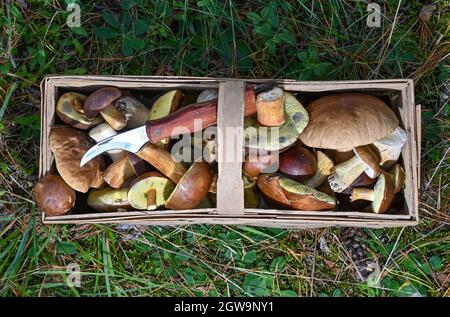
344, 121
192, 188
69, 146
100, 99
370, 159
54, 196
398, 177
253, 166
298, 163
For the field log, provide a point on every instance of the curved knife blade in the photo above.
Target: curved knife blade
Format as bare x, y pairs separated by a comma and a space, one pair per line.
131, 141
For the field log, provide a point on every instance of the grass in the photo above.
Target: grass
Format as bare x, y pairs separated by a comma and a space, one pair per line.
319, 40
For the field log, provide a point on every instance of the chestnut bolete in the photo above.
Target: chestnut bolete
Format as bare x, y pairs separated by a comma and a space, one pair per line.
54, 196
298, 163
192, 188
290, 194
69, 109
324, 169
270, 107
346, 120
381, 196
129, 166
69, 146
344, 174
390, 147
255, 165
277, 138
101, 101
163, 106
149, 191
108, 199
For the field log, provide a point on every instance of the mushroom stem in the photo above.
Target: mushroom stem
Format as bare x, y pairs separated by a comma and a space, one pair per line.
362, 194
324, 169
270, 107
151, 198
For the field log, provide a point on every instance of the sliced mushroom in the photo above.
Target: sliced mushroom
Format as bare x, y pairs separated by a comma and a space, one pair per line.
257, 164
390, 147
150, 191
344, 174
207, 95
162, 160
324, 169
135, 112
101, 101
398, 177
163, 106
381, 196
361, 181
290, 194
69, 146
270, 107
129, 166
108, 199
69, 109
298, 163
306, 198
54, 196
192, 188
277, 138
104, 131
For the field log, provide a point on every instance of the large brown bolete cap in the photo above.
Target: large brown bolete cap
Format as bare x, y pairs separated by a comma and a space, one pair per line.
192, 188
344, 121
54, 196
69, 145
99, 100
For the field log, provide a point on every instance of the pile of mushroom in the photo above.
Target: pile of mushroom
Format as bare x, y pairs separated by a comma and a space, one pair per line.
341, 152
119, 180
344, 158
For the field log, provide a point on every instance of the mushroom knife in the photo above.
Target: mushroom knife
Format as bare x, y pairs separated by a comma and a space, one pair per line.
186, 118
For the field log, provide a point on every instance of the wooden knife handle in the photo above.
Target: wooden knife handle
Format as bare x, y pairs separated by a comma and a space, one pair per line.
194, 117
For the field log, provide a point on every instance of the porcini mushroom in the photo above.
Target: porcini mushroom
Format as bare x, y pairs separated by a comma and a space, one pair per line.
257, 164
108, 199
136, 114
163, 161
324, 169
53, 195
303, 197
150, 191
163, 106
270, 107
381, 196
290, 194
69, 146
69, 109
390, 147
277, 138
104, 131
398, 177
344, 174
298, 163
101, 101
192, 188
129, 166
347, 120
